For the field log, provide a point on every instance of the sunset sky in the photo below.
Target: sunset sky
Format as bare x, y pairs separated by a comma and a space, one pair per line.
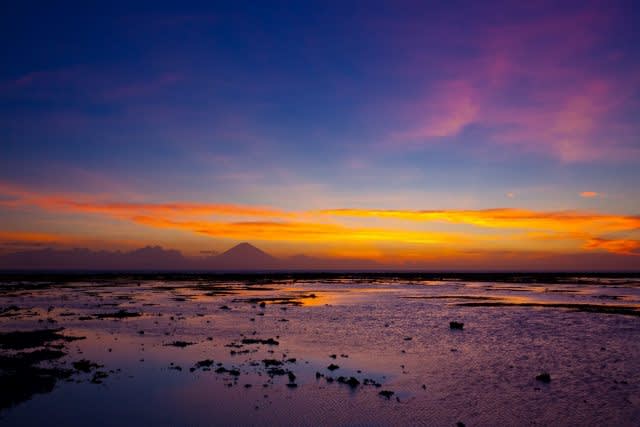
484, 133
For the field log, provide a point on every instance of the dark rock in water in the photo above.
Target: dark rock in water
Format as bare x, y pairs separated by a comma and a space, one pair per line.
368, 381
248, 386
292, 385
222, 370
233, 345
319, 375
28, 339
263, 304
98, 376
268, 341
9, 311
276, 371
408, 338
456, 325
460, 424
544, 377
333, 367
120, 314
23, 360
351, 382
207, 363
271, 362
292, 376
21, 383
181, 344
225, 307
85, 365
333, 356
386, 393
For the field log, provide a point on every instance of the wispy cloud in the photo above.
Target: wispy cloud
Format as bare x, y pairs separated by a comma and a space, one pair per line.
508, 218
547, 84
15, 196
443, 112
617, 246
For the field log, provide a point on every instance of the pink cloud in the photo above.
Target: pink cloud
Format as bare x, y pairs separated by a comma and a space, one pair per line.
444, 111
546, 85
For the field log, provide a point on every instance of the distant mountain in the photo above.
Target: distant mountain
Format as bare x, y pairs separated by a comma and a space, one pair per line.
239, 258
242, 257
147, 258
245, 256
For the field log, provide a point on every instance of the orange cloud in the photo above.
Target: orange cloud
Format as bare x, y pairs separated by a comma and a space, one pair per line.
589, 194
31, 237
509, 218
303, 231
491, 229
84, 204
617, 246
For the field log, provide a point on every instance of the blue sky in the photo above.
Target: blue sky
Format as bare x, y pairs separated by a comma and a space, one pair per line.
306, 106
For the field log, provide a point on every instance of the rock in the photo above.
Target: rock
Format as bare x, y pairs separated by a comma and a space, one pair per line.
351, 381
544, 377
181, 344
85, 365
386, 393
268, 341
456, 325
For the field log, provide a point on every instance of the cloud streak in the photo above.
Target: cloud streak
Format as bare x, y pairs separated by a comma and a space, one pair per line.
508, 218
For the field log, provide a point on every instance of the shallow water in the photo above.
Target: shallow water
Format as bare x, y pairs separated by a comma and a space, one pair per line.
392, 331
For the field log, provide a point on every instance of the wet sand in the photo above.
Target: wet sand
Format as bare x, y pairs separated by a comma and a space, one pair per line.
330, 350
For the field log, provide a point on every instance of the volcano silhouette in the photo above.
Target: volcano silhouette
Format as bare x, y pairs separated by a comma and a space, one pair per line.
245, 256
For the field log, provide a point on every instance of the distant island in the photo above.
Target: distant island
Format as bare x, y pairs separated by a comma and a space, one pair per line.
242, 257
245, 257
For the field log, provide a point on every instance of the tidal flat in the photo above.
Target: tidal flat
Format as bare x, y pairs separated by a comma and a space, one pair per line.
334, 349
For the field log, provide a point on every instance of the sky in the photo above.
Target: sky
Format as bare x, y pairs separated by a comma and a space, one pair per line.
494, 133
